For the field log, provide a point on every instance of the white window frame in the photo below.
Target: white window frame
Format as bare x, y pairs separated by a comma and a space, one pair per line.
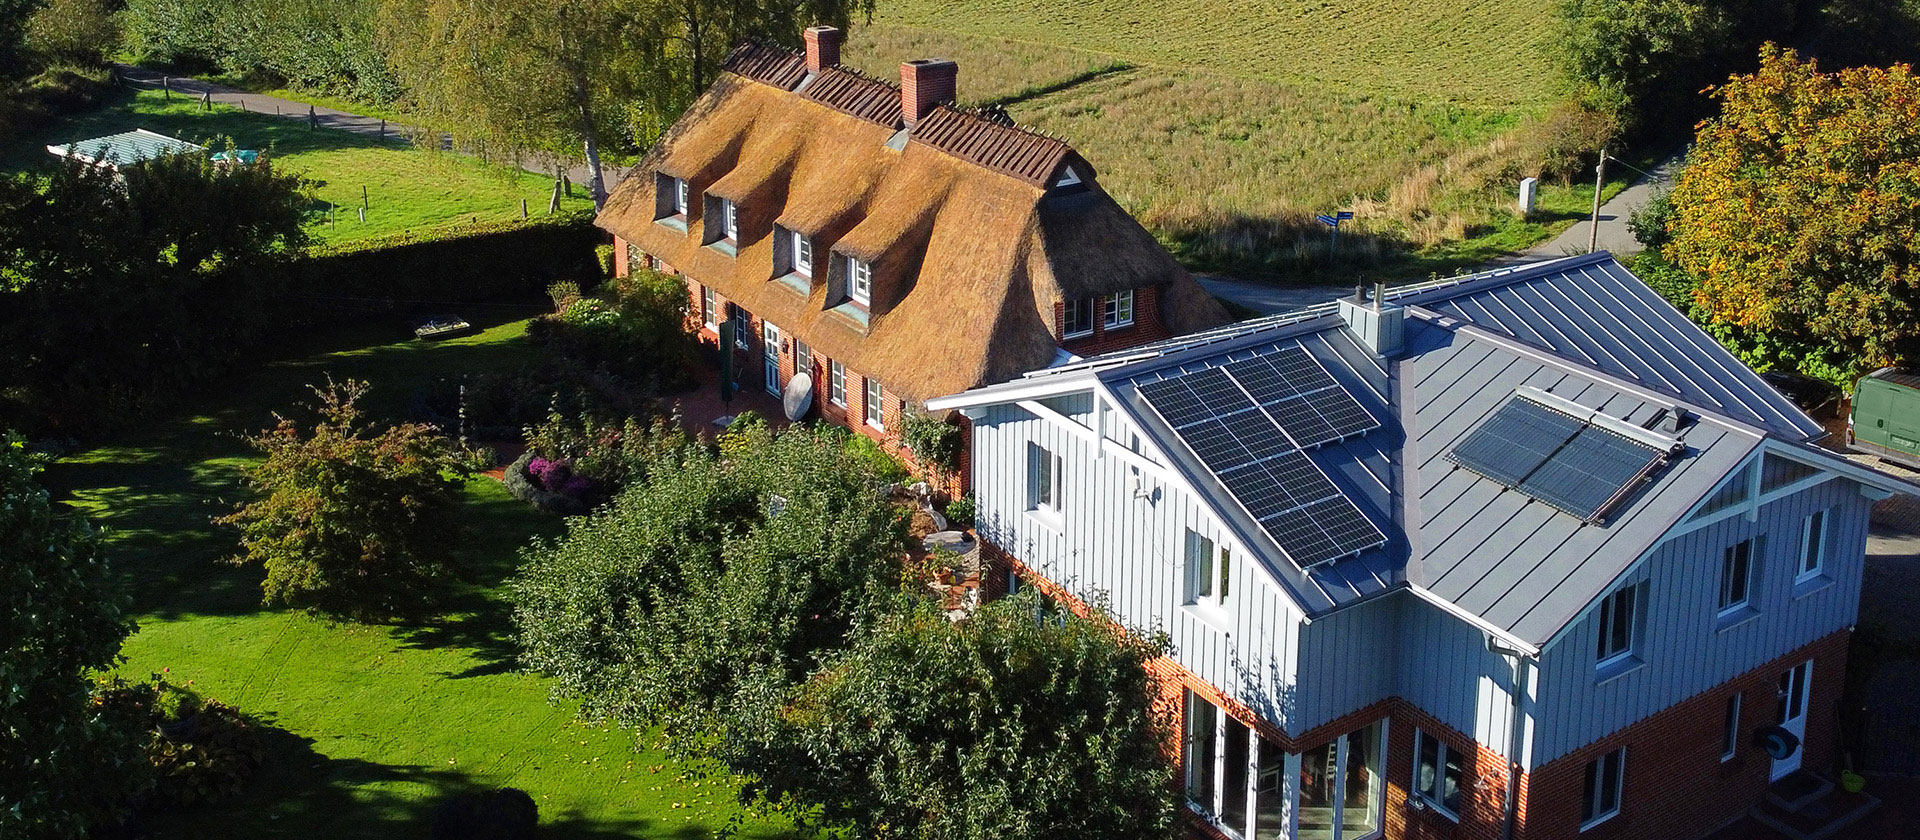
1066, 318
682, 193
1813, 546
860, 281
837, 383
874, 403
1594, 794
1435, 797
802, 253
1043, 479
729, 222
743, 328
1730, 728
709, 310
1736, 578
802, 358
1209, 571
1607, 620
1116, 309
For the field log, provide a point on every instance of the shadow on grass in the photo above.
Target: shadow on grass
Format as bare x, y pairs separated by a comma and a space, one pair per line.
301, 792
155, 489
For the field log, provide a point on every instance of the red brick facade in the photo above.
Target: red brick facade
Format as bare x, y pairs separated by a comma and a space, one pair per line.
1147, 326
1675, 785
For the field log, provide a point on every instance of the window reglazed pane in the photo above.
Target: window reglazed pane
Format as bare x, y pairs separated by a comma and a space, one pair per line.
1426, 773
1318, 776
1198, 751
1360, 808
1233, 781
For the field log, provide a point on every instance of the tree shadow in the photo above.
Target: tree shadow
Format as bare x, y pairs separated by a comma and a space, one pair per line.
301, 792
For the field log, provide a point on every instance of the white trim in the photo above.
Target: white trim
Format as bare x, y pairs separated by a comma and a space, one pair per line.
1809, 542
1731, 726
860, 281
1484, 626
873, 403
1043, 412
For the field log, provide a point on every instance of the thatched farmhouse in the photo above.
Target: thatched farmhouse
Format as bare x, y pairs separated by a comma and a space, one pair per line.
889, 245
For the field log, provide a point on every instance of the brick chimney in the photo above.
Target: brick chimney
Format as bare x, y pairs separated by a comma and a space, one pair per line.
823, 47
924, 83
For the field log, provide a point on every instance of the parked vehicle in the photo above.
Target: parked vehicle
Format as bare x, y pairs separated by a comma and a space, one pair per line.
1886, 416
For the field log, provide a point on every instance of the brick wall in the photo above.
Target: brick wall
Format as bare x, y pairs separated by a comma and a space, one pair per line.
1675, 785
1146, 326
853, 416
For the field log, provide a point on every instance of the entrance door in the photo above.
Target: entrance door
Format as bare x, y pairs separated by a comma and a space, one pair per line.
772, 355
1795, 686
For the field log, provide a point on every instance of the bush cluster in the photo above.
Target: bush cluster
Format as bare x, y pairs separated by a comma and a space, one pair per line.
329, 46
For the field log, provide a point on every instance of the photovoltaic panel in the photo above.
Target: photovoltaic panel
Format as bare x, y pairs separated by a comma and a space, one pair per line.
1303, 424
1342, 411
1301, 396
1194, 397
1287, 372
1570, 463
1513, 442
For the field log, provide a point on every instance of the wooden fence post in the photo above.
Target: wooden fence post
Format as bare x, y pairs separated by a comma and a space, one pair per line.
363, 197
166, 88
313, 119
523, 209
206, 100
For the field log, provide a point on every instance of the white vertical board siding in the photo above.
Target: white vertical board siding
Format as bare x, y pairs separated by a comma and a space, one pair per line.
1128, 553
1445, 668
1685, 649
1346, 660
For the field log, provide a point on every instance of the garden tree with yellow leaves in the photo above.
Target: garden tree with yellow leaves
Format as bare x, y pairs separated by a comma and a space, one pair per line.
1799, 215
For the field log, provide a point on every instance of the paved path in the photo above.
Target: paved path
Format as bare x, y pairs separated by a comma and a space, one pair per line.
322, 116
1614, 235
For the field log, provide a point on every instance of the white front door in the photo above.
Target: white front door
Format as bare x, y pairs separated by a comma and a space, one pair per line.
772, 345
1795, 687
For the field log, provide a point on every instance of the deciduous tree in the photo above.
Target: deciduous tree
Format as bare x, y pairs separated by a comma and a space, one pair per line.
351, 518
66, 761
1798, 210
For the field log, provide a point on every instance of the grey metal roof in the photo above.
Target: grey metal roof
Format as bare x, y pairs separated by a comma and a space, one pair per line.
125, 148
1583, 329
1592, 310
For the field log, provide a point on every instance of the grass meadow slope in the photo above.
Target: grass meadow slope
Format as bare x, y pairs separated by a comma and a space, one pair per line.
1225, 127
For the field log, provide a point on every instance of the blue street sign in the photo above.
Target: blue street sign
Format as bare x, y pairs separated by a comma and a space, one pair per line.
1344, 215
1328, 220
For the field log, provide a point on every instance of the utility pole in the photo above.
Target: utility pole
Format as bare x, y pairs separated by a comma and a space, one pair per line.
1599, 178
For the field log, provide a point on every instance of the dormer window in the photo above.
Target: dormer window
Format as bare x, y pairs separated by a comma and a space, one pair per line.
729, 221
1077, 319
860, 281
680, 193
1067, 178
802, 254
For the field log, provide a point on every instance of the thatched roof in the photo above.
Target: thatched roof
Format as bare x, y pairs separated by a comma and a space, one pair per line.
970, 250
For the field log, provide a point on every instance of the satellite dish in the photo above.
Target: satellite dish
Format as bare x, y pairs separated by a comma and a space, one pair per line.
798, 396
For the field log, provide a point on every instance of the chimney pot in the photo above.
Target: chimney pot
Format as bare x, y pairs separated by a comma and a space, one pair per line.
925, 83
823, 47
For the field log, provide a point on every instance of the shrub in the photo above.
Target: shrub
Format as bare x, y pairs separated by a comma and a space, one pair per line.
934, 441
961, 511
609, 454
881, 463
741, 433
1566, 141
630, 343
351, 519
82, 32
202, 750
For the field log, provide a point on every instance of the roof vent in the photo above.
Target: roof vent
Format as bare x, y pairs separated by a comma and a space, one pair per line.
823, 47
1379, 325
925, 83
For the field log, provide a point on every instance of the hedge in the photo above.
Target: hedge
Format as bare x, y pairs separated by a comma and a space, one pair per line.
440, 269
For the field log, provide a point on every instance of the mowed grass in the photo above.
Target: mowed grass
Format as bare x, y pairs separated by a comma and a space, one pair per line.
372, 726
406, 189
1229, 165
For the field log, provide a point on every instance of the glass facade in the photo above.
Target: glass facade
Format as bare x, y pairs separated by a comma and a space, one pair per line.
1250, 787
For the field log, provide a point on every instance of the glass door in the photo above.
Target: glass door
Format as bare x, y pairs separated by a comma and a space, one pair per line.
772, 353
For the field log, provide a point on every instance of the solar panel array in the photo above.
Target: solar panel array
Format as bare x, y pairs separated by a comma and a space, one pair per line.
1249, 422
1565, 461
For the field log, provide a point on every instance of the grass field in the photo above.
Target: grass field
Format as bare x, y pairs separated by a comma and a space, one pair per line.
406, 188
372, 725
1226, 136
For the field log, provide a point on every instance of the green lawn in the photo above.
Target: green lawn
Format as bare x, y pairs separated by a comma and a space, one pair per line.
371, 724
405, 188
